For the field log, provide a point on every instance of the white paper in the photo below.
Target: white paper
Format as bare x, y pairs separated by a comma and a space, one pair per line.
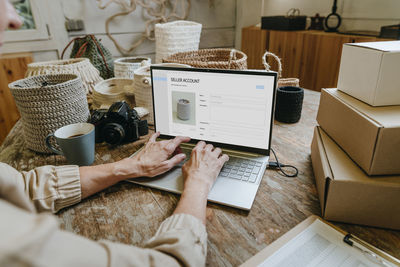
320, 245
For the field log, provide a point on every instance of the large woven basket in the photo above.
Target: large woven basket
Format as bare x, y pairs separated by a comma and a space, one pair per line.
46, 103
142, 88
176, 36
80, 66
216, 58
281, 81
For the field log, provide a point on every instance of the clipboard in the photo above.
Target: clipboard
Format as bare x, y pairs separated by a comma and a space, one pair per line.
371, 252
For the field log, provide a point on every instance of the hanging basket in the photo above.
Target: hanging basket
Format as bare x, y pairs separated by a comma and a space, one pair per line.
216, 58
125, 67
281, 81
113, 90
80, 66
46, 103
90, 47
142, 88
176, 36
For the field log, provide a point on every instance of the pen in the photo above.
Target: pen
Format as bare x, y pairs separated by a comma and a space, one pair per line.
368, 254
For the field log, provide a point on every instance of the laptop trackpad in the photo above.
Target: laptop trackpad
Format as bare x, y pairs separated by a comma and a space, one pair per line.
170, 181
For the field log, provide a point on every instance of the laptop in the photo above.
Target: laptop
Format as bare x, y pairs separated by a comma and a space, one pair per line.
229, 109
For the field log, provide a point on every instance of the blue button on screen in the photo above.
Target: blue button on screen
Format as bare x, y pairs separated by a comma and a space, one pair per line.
164, 79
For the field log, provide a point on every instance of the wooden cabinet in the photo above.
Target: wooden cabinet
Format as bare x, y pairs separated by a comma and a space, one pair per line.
311, 56
12, 68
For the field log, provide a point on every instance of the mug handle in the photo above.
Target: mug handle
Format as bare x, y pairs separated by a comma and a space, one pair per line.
50, 146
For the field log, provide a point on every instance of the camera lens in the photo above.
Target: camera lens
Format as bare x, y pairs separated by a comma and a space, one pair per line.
113, 133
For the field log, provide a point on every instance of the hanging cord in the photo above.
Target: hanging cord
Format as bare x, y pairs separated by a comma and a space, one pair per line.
277, 165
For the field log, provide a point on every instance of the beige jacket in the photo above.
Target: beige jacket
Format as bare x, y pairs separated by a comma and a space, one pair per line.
30, 236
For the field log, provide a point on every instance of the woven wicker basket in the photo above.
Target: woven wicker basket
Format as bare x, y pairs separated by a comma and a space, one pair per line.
142, 88
80, 66
176, 36
46, 103
218, 58
113, 90
281, 81
125, 67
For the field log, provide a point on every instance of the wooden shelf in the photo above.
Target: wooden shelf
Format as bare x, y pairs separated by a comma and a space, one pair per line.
311, 56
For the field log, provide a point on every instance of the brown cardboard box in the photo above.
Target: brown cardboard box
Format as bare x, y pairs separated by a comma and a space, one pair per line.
370, 135
346, 193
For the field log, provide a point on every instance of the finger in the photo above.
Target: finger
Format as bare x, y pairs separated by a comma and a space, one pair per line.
217, 151
175, 160
200, 145
224, 158
177, 151
153, 137
180, 139
174, 143
209, 148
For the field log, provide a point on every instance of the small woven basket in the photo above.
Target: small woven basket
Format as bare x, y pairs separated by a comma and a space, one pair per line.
176, 36
46, 103
113, 90
125, 67
281, 81
142, 88
216, 58
80, 66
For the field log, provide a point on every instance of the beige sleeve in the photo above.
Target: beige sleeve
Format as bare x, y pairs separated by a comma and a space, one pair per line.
181, 240
35, 240
49, 188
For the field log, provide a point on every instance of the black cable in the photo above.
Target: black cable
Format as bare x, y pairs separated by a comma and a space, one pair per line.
277, 165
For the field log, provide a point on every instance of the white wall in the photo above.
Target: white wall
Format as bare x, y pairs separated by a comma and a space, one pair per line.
248, 12
218, 22
356, 14
218, 18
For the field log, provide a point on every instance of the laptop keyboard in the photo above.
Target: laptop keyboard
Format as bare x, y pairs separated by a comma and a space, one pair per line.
237, 168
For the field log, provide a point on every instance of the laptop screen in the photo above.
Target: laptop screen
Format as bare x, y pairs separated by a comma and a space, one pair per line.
224, 107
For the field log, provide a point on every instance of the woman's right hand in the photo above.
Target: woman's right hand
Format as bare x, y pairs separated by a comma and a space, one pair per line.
204, 165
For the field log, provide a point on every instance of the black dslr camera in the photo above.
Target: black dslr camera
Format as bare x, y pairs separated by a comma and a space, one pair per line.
119, 124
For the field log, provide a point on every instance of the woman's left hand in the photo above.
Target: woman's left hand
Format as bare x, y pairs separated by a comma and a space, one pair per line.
155, 158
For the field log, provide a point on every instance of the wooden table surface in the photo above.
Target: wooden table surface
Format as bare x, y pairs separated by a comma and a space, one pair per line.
131, 214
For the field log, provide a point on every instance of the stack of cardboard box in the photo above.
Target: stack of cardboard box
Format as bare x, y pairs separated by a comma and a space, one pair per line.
355, 151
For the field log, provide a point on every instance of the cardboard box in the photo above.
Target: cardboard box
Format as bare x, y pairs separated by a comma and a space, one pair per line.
370, 135
346, 193
371, 72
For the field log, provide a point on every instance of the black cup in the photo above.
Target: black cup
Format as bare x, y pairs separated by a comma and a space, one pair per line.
289, 102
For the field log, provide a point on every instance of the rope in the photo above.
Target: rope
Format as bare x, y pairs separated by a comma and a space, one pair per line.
268, 67
157, 14
232, 56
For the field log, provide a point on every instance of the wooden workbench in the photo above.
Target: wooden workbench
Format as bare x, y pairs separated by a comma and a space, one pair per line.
131, 214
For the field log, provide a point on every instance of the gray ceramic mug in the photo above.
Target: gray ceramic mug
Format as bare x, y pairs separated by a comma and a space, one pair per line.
76, 142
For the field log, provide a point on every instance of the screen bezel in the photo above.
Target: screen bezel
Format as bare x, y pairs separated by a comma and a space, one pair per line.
216, 144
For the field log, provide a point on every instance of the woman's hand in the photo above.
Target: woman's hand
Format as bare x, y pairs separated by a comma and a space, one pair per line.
155, 158
204, 165
200, 173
